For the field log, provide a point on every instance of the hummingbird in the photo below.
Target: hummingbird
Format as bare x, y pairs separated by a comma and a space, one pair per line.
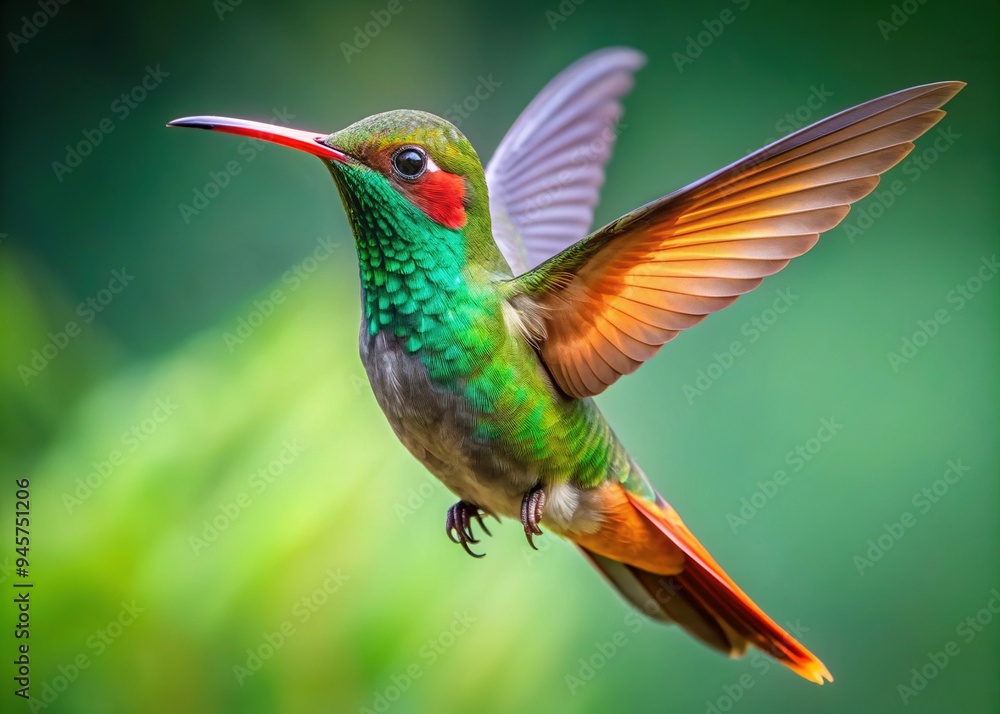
490, 317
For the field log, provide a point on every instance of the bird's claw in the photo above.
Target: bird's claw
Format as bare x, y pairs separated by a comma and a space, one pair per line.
458, 525
532, 507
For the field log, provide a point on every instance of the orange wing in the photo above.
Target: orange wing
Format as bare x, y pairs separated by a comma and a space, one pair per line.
609, 302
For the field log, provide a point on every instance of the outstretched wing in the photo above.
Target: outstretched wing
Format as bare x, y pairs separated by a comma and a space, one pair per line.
545, 176
610, 302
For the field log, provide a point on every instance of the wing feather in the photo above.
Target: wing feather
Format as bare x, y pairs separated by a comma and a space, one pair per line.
545, 176
612, 300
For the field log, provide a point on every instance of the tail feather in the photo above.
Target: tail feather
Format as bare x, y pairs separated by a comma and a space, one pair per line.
664, 598
700, 598
707, 582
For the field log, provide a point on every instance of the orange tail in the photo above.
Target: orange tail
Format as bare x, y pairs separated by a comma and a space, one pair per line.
698, 596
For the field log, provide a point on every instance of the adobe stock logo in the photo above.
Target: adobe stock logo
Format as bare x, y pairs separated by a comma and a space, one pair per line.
923, 501
30, 26
121, 107
698, 43
363, 35
936, 660
87, 310
956, 299
723, 361
562, 12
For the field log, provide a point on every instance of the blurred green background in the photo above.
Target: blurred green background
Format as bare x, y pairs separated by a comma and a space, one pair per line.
224, 524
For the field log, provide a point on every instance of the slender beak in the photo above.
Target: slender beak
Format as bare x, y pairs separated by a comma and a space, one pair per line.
307, 141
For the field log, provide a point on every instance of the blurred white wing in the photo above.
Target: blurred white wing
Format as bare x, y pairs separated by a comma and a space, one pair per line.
546, 175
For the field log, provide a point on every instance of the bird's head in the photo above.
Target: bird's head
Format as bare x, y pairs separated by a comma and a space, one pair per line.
403, 176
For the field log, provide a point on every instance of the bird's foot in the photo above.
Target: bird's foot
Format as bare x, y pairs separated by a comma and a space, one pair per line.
532, 507
458, 525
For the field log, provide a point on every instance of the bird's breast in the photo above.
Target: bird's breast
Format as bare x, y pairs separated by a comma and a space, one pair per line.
443, 428
481, 413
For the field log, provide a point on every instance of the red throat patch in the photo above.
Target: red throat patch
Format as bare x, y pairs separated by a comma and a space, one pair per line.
441, 196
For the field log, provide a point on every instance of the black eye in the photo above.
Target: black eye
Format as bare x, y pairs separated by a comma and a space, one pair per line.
409, 162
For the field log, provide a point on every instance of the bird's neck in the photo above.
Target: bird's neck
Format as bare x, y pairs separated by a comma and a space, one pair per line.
419, 285
412, 282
